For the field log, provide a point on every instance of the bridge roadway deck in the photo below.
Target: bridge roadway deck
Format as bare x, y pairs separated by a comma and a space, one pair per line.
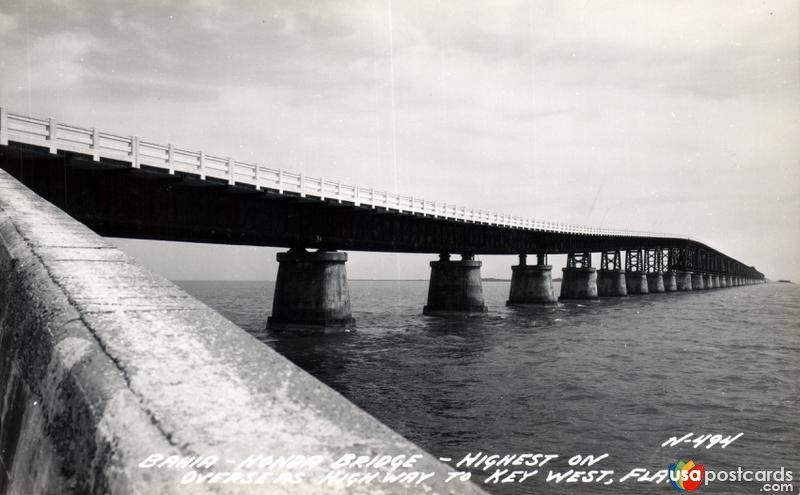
116, 200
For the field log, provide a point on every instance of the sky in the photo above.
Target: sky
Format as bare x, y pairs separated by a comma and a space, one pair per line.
669, 116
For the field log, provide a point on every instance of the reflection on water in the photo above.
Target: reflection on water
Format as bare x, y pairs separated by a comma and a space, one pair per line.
618, 376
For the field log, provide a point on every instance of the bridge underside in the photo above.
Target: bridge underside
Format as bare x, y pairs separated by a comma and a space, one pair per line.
116, 200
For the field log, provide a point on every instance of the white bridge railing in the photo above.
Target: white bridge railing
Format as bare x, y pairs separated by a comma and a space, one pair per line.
99, 144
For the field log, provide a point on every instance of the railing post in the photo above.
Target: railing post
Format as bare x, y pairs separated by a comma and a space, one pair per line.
280, 180
231, 180
202, 165
357, 194
256, 176
302, 185
339, 191
95, 144
171, 159
322, 187
52, 135
134, 152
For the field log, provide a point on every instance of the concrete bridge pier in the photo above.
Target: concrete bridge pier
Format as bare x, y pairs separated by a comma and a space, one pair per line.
636, 282
670, 281
611, 276
723, 281
708, 280
611, 283
531, 284
579, 279
698, 281
311, 293
455, 287
655, 282
683, 280
635, 277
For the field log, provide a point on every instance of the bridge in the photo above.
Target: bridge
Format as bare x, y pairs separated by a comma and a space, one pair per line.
124, 186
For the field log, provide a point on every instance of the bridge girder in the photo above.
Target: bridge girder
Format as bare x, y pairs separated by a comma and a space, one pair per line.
118, 201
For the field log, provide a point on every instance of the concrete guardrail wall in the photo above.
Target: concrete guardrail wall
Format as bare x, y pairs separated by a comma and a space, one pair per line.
103, 363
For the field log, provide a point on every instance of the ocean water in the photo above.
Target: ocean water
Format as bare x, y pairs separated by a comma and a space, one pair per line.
615, 376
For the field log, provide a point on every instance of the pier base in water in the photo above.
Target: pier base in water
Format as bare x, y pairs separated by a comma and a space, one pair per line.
655, 282
455, 287
311, 293
708, 280
683, 280
698, 281
531, 284
637, 282
579, 283
670, 281
611, 283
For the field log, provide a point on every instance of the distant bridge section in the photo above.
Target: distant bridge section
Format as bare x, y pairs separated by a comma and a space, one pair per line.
124, 186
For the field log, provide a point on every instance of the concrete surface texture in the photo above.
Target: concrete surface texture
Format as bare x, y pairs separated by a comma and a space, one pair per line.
104, 363
698, 281
636, 282
455, 287
311, 293
531, 284
611, 283
578, 283
670, 281
683, 280
655, 282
